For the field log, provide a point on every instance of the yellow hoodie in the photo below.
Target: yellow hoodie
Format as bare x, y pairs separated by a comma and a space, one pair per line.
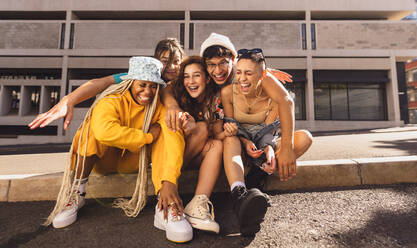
116, 136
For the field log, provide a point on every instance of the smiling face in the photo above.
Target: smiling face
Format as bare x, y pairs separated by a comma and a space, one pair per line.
143, 91
248, 74
195, 80
219, 68
170, 71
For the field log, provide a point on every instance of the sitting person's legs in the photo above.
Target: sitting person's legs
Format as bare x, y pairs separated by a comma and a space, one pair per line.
198, 211
250, 205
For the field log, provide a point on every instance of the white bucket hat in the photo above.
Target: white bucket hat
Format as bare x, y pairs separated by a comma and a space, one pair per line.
145, 69
218, 40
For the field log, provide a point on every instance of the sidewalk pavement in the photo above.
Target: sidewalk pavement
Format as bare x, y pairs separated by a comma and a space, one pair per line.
383, 156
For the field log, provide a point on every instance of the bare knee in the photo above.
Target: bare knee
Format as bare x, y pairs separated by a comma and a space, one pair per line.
302, 141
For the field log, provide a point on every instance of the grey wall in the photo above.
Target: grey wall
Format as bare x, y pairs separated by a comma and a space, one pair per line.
368, 35
15, 35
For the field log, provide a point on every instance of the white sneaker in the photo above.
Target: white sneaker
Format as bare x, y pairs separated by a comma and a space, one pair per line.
198, 213
69, 214
177, 228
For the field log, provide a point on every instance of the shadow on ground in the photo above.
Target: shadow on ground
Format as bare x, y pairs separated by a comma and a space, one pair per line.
386, 228
99, 225
408, 145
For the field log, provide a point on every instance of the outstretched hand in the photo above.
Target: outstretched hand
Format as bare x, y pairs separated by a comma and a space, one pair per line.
283, 77
64, 108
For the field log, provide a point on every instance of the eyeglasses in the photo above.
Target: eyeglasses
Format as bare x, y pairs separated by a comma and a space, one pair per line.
250, 51
224, 64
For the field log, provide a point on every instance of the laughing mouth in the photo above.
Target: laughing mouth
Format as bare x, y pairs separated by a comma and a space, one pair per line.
193, 88
245, 87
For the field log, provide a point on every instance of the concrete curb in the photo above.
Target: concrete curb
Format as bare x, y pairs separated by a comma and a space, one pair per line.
316, 174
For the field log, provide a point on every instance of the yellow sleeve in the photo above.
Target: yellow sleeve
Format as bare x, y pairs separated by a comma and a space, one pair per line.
167, 155
107, 128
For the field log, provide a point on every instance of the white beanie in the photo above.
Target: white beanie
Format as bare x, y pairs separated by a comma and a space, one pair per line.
218, 40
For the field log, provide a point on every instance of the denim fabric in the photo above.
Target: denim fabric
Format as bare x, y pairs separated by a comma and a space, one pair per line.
267, 135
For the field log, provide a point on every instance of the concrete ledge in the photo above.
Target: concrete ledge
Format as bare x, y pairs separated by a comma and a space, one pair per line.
310, 175
37, 188
4, 190
388, 170
319, 174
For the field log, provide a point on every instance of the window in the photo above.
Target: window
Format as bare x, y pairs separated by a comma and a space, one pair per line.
349, 101
297, 92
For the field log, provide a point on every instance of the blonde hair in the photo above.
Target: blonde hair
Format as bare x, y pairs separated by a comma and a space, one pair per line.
69, 185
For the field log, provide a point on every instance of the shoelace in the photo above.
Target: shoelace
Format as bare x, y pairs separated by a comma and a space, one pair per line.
74, 199
204, 203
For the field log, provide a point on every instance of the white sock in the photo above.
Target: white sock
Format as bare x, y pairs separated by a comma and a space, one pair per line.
83, 183
237, 183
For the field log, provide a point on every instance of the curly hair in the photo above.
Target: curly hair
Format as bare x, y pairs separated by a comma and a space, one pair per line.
200, 111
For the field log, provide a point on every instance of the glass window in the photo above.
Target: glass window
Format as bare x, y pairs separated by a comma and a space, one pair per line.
339, 102
366, 104
297, 92
350, 101
322, 102
411, 94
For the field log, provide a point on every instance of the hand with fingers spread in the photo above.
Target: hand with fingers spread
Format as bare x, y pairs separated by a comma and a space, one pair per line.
283, 77
230, 129
287, 165
64, 108
270, 164
168, 197
172, 118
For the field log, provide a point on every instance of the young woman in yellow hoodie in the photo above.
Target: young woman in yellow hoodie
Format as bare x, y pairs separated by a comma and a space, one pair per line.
113, 137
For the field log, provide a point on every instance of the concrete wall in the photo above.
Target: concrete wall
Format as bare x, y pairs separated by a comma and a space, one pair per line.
24, 35
126, 35
282, 35
347, 5
366, 35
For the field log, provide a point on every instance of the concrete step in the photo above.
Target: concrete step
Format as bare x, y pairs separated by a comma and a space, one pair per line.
318, 174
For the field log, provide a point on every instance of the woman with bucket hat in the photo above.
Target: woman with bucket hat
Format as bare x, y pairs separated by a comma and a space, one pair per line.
112, 138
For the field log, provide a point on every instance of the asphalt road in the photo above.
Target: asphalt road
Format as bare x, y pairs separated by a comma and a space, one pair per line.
361, 217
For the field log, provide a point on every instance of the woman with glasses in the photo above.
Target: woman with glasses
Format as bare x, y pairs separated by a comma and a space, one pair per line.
264, 119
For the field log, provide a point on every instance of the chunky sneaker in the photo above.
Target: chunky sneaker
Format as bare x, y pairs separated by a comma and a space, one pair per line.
198, 213
256, 178
69, 214
177, 228
250, 207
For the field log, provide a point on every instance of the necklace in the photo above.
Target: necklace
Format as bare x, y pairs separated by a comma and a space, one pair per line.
257, 97
249, 105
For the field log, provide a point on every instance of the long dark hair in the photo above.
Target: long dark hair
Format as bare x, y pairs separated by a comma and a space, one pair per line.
200, 111
169, 44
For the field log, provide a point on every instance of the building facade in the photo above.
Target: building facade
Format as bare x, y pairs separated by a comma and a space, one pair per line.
344, 54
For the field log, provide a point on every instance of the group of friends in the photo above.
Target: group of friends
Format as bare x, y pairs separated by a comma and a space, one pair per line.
224, 108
